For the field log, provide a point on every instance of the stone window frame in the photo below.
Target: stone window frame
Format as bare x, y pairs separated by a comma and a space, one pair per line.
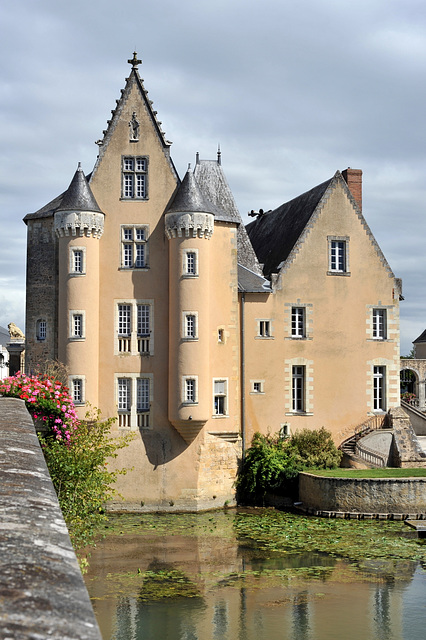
72, 261
72, 317
71, 385
130, 417
344, 240
131, 244
134, 172
186, 273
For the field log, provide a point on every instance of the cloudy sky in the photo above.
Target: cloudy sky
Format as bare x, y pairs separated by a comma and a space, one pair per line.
292, 90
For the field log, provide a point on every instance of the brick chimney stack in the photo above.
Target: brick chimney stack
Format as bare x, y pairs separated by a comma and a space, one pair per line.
353, 179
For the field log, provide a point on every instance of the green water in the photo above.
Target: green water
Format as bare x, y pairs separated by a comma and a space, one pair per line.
249, 575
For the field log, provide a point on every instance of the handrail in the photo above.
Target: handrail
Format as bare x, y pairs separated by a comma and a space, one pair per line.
379, 421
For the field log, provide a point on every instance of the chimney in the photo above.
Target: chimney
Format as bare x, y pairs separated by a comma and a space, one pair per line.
353, 179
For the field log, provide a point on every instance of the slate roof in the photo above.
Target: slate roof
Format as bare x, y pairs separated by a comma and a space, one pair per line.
189, 197
4, 336
212, 181
273, 234
250, 282
421, 338
78, 196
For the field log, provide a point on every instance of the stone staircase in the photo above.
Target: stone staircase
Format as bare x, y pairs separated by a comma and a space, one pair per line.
348, 446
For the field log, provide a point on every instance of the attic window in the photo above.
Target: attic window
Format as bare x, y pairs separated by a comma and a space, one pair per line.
338, 255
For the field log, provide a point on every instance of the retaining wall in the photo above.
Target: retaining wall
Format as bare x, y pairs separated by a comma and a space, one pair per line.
42, 592
363, 495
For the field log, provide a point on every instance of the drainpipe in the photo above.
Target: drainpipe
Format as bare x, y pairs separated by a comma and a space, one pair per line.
243, 381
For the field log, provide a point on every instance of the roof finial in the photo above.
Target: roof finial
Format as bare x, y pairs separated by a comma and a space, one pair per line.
219, 161
134, 61
189, 166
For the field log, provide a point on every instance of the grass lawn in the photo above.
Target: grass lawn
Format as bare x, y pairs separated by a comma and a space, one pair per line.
387, 472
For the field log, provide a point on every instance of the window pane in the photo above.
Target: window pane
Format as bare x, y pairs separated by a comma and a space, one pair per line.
143, 320
190, 263
124, 394
77, 390
140, 185
143, 394
189, 390
78, 261
127, 255
78, 326
140, 255
124, 319
140, 164
128, 164
128, 185
140, 234
190, 326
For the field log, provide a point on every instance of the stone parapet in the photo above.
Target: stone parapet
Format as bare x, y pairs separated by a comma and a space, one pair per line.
363, 495
42, 591
406, 450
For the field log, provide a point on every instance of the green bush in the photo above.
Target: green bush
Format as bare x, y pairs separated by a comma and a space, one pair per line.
272, 463
82, 477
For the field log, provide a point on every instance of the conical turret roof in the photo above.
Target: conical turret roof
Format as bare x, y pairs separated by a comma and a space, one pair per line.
189, 198
79, 196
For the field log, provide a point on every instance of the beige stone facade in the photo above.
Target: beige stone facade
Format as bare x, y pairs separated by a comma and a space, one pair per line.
195, 332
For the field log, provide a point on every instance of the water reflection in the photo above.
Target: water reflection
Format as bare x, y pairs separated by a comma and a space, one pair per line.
227, 590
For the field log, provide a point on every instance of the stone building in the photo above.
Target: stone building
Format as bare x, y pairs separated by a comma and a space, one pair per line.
194, 331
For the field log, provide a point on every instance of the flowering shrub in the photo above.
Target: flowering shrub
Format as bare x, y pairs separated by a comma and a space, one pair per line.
408, 397
47, 400
80, 471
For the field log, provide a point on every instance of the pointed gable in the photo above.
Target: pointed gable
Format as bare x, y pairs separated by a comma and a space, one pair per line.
134, 82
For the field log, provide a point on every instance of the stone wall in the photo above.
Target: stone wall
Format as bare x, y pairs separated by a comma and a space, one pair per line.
406, 450
363, 495
42, 592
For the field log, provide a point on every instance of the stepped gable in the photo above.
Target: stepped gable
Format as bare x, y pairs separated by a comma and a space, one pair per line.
212, 181
274, 234
133, 79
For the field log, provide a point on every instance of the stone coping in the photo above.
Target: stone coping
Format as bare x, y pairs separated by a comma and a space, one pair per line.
42, 592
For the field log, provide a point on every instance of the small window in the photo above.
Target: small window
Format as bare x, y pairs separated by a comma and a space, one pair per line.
257, 386
379, 324
264, 328
220, 336
191, 263
298, 389
190, 390
338, 259
134, 171
41, 330
220, 398
77, 325
77, 258
298, 322
190, 326
77, 390
379, 388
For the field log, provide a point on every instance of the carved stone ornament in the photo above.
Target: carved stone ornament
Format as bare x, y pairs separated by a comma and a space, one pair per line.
81, 223
189, 225
134, 127
14, 331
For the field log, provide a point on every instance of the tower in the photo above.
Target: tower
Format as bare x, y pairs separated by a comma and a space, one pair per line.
79, 224
189, 224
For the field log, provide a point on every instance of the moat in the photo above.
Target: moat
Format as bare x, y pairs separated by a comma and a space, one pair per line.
251, 574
